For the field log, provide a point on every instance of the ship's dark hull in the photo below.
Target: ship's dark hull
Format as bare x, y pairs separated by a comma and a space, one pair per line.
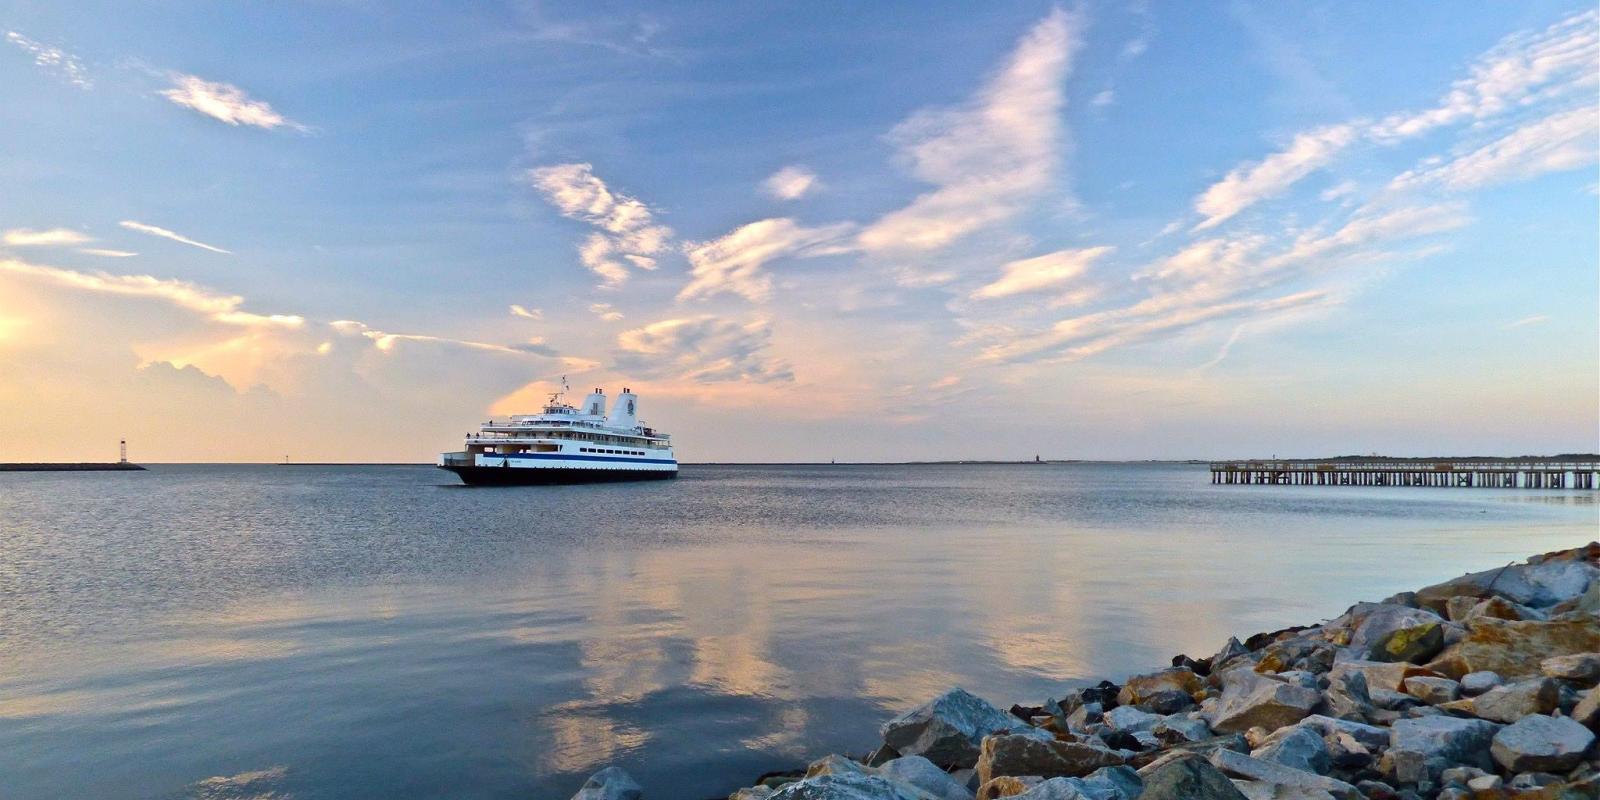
522, 476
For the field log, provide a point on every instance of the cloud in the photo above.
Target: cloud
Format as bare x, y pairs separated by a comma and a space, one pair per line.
1048, 271
1536, 319
166, 234
1522, 68
96, 251
605, 312
702, 349
388, 342
217, 307
226, 103
23, 237
1273, 175
791, 183
1562, 141
629, 232
1103, 99
734, 263
526, 313
989, 157
54, 60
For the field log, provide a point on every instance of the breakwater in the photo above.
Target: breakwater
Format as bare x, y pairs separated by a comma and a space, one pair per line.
1478, 688
50, 466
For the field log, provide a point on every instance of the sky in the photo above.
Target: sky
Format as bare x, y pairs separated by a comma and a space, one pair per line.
352, 231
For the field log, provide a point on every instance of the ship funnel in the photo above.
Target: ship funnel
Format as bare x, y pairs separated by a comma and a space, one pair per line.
595, 403
625, 414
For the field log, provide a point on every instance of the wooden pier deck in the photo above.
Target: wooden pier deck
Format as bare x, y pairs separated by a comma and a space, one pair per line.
1489, 473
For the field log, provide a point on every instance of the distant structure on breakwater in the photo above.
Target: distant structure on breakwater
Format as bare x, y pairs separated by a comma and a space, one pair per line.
120, 465
1556, 472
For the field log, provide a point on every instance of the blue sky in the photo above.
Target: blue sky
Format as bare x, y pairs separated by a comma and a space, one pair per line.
350, 230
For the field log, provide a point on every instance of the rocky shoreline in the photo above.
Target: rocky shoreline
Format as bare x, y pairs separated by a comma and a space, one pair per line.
1482, 687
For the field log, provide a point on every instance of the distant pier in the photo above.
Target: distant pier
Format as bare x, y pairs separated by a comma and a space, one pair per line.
1510, 473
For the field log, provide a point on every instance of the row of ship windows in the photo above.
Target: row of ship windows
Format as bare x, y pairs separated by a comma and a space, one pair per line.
615, 452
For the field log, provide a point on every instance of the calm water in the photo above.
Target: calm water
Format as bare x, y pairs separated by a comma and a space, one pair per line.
220, 631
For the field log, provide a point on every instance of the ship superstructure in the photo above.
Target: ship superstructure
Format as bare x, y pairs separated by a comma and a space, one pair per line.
566, 444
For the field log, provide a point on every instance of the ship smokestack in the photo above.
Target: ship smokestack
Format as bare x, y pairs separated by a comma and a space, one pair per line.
625, 414
595, 403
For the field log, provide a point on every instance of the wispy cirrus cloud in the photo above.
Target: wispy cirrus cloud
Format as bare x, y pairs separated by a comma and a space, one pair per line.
1521, 70
53, 237
1049, 271
1536, 319
526, 313
225, 102
628, 232
735, 263
1249, 184
702, 349
53, 60
989, 157
1562, 141
605, 311
223, 308
105, 253
152, 230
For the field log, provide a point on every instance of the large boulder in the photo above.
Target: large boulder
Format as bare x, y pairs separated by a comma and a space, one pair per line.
1432, 691
1347, 696
1517, 649
1131, 720
1380, 676
923, 774
1587, 711
1370, 736
1025, 755
1255, 769
1541, 743
611, 783
848, 785
1514, 701
1441, 742
1476, 683
1414, 644
1539, 585
1298, 747
1249, 700
1372, 623
949, 729
1187, 777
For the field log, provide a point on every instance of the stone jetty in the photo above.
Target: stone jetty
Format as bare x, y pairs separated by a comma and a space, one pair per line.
1478, 688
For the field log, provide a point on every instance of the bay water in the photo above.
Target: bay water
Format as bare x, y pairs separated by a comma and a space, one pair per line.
209, 631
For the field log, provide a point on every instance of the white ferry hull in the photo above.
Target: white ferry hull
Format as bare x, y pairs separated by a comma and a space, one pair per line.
542, 469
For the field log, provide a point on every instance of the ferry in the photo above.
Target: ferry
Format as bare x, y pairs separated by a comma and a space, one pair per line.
565, 444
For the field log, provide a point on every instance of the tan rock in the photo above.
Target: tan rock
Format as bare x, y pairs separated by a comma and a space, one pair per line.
1025, 755
1517, 649
1139, 688
1007, 786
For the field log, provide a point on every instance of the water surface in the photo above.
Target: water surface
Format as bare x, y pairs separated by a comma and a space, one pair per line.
367, 632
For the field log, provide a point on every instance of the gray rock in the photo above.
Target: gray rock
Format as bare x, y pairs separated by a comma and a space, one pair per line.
949, 729
1370, 736
1345, 753
1249, 700
1485, 783
1299, 677
1534, 780
1187, 777
1514, 701
1025, 755
925, 775
611, 783
1347, 696
1537, 585
1113, 783
1180, 728
1260, 790
1375, 622
1297, 747
1255, 769
1415, 643
1432, 691
1233, 652
1171, 701
848, 786
1084, 716
1583, 668
1443, 742
1130, 719
1541, 743
1476, 683
1393, 701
